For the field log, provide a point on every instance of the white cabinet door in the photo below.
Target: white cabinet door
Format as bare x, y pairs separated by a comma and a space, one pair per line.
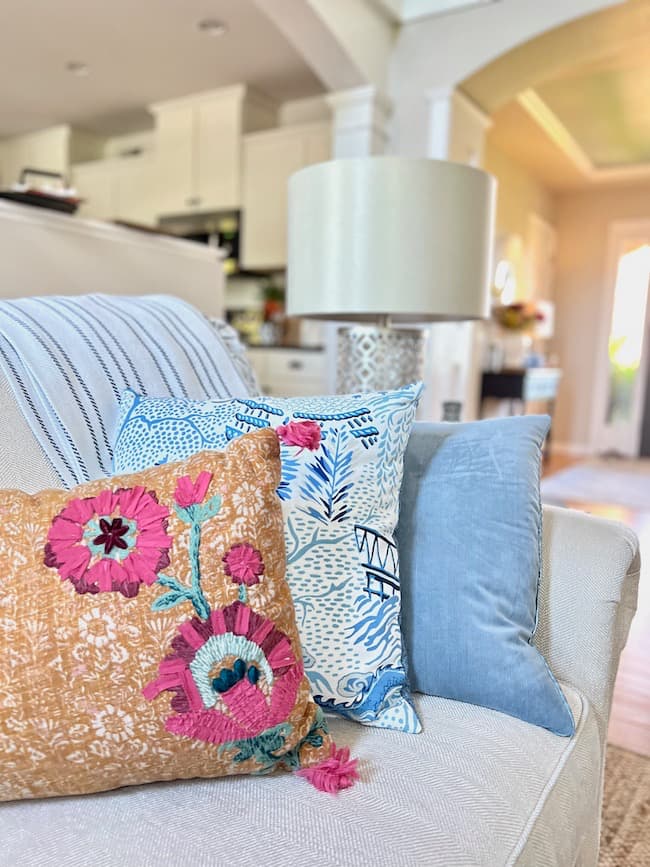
118, 189
289, 372
95, 184
198, 141
217, 155
270, 158
268, 163
175, 145
137, 190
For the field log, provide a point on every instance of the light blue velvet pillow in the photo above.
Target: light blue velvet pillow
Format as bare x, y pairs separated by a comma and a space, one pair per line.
469, 540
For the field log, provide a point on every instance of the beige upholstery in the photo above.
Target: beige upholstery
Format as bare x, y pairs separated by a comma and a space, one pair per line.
475, 788
23, 463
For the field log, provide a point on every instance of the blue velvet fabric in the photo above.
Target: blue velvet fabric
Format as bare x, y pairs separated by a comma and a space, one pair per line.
469, 540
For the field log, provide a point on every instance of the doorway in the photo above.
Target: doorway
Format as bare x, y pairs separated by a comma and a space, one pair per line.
621, 411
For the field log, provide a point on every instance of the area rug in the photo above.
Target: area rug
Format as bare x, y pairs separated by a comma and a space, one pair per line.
616, 481
625, 833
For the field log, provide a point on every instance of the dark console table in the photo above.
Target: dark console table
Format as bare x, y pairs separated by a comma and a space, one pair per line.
521, 388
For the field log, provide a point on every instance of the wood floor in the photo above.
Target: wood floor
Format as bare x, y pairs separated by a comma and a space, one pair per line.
629, 725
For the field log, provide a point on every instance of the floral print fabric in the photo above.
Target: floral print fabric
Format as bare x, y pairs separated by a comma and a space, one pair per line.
342, 461
148, 632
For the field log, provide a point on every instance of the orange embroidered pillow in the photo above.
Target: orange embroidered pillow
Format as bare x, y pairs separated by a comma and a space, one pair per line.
147, 632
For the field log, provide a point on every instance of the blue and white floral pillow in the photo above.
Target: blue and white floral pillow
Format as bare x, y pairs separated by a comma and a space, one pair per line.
342, 463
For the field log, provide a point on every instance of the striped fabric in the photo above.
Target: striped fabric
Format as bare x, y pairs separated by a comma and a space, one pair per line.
68, 359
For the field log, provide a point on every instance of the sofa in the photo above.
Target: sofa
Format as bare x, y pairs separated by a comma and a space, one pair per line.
476, 787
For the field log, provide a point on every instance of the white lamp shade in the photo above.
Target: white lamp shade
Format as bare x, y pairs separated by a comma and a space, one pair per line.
408, 238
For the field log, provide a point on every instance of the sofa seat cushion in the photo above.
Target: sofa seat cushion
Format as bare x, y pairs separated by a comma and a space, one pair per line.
474, 788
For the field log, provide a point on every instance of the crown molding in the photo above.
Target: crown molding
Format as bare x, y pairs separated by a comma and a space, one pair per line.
550, 123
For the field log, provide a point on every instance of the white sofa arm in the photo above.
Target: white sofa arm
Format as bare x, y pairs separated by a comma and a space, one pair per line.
588, 596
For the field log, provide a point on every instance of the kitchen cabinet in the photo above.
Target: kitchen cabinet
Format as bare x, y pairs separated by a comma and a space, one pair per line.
269, 159
122, 188
284, 372
174, 158
198, 148
137, 190
94, 183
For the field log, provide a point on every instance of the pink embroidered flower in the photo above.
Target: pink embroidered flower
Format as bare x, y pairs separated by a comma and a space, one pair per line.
244, 564
304, 434
188, 493
217, 700
115, 541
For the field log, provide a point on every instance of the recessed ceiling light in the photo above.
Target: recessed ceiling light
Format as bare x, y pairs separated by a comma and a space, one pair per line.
211, 27
76, 67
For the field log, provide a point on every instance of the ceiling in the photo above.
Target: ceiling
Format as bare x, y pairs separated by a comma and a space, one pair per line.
587, 120
607, 110
403, 11
138, 52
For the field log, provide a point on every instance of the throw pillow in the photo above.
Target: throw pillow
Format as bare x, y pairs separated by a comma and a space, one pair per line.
147, 632
342, 460
469, 538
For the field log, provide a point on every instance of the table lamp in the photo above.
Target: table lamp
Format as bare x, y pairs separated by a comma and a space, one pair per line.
384, 241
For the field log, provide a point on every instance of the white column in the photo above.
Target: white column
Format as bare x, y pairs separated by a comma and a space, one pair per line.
360, 119
456, 127
455, 131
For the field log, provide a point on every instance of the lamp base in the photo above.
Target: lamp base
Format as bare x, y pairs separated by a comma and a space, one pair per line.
376, 358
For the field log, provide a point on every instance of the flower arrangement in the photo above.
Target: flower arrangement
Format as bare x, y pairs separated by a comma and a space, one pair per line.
520, 316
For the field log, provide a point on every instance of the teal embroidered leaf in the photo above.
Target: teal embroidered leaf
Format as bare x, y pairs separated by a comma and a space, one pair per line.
168, 581
186, 514
207, 510
262, 748
178, 594
170, 599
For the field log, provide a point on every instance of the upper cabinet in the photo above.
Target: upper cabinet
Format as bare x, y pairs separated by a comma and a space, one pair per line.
270, 158
198, 148
119, 188
95, 185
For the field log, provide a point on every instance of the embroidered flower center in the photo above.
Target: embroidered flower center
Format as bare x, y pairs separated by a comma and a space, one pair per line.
223, 661
110, 536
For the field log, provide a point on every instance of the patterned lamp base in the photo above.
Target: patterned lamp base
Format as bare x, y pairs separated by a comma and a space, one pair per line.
374, 358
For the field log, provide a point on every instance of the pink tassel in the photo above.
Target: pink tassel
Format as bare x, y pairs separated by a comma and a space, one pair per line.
337, 772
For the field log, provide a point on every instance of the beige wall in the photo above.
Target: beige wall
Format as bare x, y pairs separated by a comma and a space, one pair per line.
519, 192
520, 195
583, 219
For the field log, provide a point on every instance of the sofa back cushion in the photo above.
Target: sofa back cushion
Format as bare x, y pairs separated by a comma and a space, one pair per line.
23, 463
66, 361
469, 539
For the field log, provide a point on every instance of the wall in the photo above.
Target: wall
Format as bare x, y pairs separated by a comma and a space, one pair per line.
46, 149
519, 195
583, 220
